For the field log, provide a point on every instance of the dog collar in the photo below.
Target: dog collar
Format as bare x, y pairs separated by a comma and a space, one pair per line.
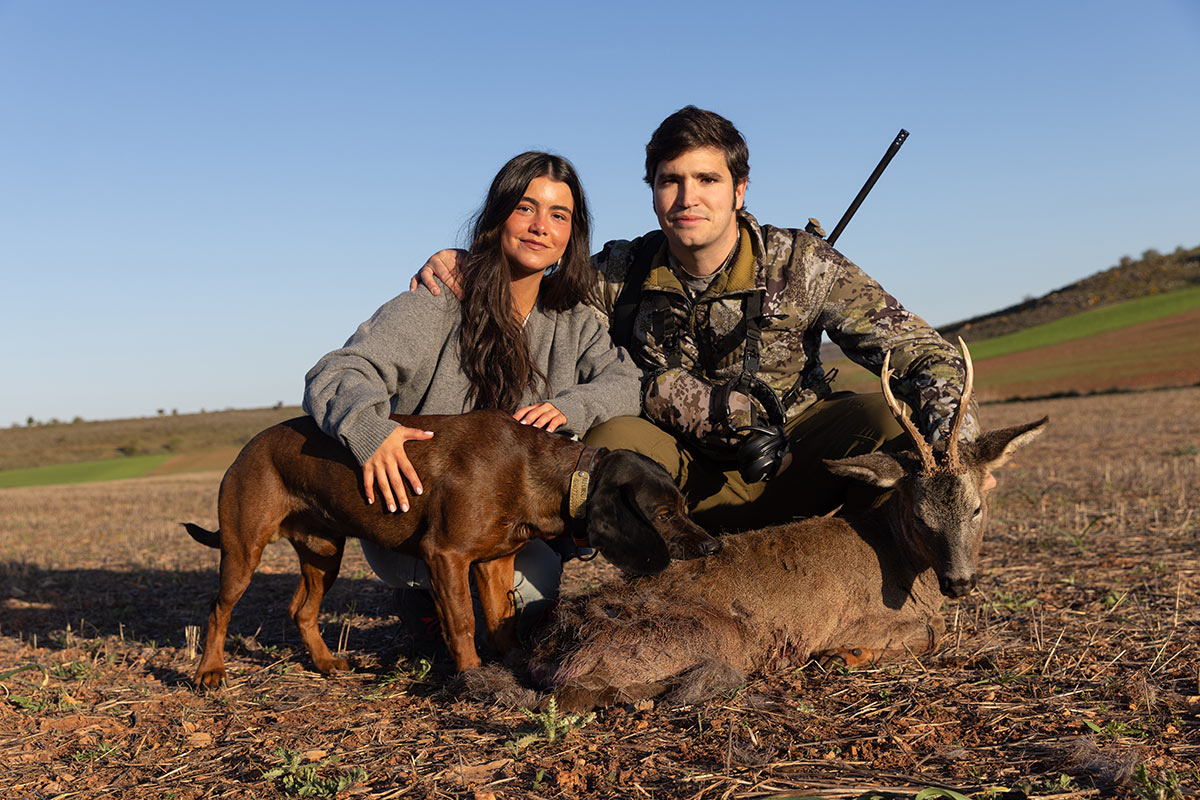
577, 494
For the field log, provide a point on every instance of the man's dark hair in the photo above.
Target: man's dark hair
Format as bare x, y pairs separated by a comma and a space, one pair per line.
690, 128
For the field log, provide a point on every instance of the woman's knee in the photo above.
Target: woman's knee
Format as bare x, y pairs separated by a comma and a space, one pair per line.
396, 569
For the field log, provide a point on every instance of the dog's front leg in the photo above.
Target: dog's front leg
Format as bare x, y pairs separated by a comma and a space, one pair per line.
494, 580
449, 578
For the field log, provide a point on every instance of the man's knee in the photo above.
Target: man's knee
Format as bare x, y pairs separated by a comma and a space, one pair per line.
640, 436
877, 422
844, 425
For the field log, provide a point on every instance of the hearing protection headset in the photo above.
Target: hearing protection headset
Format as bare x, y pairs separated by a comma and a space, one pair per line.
763, 447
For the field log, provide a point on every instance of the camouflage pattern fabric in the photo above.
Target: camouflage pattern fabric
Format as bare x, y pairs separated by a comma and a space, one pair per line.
808, 288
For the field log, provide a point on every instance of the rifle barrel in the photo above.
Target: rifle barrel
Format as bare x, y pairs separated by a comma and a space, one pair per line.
862, 193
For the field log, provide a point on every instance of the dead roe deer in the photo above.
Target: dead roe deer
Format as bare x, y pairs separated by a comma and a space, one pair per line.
857, 588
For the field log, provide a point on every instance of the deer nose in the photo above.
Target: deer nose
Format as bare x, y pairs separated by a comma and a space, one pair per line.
957, 587
711, 547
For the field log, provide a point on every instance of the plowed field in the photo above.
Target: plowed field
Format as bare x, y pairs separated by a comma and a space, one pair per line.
1070, 672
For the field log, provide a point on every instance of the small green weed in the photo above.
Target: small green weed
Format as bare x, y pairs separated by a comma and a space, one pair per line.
414, 673
1047, 785
552, 726
38, 697
937, 791
1077, 538
1148, 787
101, 752
74, 671
41, 701
305, 780
1013, 603
1116, 728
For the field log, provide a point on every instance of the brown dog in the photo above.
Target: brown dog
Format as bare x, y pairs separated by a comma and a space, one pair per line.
491, 485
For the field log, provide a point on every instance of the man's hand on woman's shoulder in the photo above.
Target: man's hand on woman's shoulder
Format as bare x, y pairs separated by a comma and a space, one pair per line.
446, 265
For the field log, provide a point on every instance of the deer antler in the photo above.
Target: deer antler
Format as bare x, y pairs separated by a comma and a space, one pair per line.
924, 450
961, 414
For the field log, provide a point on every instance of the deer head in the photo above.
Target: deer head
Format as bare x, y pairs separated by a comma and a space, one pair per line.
938, 508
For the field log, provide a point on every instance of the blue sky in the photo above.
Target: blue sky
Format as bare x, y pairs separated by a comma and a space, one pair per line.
199, 199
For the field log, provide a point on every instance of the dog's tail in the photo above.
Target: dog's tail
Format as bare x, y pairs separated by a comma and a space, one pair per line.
203, 536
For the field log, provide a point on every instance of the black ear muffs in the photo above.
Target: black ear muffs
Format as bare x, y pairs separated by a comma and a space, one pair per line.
616, 525
763, 448
761, 453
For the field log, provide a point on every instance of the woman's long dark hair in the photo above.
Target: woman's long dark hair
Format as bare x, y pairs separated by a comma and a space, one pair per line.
492, 345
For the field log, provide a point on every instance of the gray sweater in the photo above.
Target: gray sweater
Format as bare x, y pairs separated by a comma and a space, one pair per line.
405, 360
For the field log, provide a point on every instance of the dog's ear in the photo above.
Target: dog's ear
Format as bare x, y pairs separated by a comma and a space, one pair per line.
617, 526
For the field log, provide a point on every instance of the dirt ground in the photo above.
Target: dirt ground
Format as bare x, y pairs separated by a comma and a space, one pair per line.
1071, 671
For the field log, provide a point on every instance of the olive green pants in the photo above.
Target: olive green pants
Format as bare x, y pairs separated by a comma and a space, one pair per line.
843, 424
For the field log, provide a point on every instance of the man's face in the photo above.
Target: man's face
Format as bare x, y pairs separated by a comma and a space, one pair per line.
695, 199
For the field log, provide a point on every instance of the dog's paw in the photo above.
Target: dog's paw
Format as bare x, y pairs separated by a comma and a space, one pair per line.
209, 678
331, 664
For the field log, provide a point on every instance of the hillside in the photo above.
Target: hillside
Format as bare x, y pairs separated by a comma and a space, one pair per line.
56, 443
1153, 273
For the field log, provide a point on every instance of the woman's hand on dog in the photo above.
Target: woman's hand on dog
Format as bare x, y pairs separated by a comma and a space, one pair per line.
542, 415
386, 466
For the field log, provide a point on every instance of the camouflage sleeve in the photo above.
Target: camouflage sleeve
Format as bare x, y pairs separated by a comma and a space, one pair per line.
691, 408
866, 323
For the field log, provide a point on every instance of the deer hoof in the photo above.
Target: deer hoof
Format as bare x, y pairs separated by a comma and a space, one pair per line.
848, 657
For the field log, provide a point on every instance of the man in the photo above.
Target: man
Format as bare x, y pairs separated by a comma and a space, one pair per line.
725, 315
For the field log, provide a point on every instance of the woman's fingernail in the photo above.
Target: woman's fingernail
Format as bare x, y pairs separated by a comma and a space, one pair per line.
391, 508
404, 508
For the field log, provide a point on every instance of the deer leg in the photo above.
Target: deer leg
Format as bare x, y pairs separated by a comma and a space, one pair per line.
912, 638
494, 581
449, 579
320, 561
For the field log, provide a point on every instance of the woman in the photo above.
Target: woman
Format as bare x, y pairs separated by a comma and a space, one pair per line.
521, 339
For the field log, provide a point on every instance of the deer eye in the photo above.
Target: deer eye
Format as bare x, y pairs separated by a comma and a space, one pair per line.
978, 510
664, 515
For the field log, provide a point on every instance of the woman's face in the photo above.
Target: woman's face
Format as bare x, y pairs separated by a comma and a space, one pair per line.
535, 235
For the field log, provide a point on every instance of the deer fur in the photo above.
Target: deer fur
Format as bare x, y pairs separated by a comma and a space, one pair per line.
856, 589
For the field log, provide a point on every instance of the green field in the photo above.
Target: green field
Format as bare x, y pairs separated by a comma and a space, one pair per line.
1089, 323
83, 472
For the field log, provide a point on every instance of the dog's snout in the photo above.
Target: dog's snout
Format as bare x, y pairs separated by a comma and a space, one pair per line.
692, 541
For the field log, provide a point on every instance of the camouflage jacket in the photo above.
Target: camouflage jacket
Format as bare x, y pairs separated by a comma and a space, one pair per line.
808, 288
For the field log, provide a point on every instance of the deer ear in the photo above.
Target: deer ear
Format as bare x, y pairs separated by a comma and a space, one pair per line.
993, 449
877, 469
